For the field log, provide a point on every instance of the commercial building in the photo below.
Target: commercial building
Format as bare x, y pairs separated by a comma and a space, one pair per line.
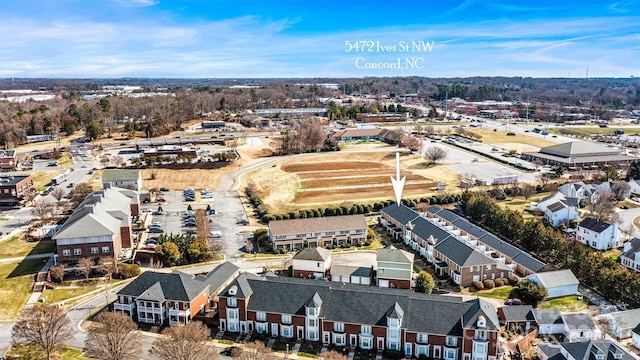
14, 190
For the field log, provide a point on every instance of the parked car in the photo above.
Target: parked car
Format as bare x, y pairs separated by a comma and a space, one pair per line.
164, 189
514, 301
155, 230
243, 222
145, 210
157, 213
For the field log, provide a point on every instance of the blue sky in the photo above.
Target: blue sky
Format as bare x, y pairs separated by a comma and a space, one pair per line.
307, 38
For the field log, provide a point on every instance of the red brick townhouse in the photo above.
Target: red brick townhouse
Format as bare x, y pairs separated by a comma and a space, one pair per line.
311, 232
368, 317
173, 298
14, 190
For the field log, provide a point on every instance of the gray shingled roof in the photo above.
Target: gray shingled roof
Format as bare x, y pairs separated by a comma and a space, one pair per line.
394, 255
594, 225
556, 206
517, 255
401, 213
344, 303
313, 254
88, 221
177, 286
517, 313
218, 276
551, 279
628, 319
578, 148
424, 229
635, 247
547, 316
322, 224
579, 322
585, 350
347, 270
461, 253
553, 352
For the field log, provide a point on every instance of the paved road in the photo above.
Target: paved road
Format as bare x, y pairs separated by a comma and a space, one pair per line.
627, 217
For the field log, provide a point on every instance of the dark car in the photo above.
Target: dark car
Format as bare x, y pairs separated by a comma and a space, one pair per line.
164, 189
231, 351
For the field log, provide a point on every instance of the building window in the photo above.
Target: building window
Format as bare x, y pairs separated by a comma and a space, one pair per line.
366, 329
261, 316
451, 341
340, 339
481, 334
394, 334
394, 322
313, 322
286, 319
450, 354
66, 252
287, 331
338, 327
94, 250
422, 338
105, 249
232, 313
77, 251
366, 342
261, 328
232, 302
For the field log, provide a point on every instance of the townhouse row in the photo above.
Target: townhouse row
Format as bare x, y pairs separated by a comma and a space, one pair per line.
457, 248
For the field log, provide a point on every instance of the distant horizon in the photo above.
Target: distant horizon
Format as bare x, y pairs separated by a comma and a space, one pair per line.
285, 39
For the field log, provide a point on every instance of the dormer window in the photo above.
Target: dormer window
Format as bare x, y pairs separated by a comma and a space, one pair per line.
617, 355
233, 290
232, 302
599, 357
482, 322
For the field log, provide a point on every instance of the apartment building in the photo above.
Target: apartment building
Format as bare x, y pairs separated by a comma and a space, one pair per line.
368, 317
317, 232
173, 298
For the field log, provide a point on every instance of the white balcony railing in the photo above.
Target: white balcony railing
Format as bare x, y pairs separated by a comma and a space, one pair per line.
176, 312
151, 309
123, 307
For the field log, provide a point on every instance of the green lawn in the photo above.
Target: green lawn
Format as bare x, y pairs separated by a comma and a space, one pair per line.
567, 303
503, 292
17, 246
61, 294
16, 283
32, 352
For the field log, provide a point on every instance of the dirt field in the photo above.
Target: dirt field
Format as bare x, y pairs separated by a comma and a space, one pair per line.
335, 178
501, 138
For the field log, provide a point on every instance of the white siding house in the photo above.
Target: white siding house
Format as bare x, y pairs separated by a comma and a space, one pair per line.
560, 213
558, 283
580, 327
630, 256
311, 263
621, 323
599, 235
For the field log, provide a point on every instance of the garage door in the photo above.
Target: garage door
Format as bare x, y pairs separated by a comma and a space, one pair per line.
383, 283
355, 280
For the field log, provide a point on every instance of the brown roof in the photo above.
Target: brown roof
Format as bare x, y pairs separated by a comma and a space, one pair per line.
322, 224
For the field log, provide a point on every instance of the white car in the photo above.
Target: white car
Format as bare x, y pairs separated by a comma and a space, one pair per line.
146, 210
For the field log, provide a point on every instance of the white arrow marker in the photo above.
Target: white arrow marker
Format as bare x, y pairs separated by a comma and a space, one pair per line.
398, 184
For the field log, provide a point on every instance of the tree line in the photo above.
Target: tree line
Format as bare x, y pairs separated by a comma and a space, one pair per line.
602, 273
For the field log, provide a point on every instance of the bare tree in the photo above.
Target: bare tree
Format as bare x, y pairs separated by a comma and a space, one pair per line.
107, 266
603, 208
435, 153
43, 326
255, 351
332, 355
57, 194
113, 337
85, 265
528, 191
620, 188
80, 192
118, 160
187, 342
57, 272
43, 209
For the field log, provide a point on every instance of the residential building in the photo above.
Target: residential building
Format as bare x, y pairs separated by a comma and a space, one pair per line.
173, 298
560, 213
621, 323
557, 283
395, 268
584, 350
99, 227
630, 256
580, 327
579, 154
517, 318
213, 124
457, 248
14, 190
600, 235
441, 327
491, 245
124, 178
312, 232
347, 274
311, 263
549, 321
8, 160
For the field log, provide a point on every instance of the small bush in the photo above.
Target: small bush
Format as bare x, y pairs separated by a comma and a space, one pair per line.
513, 280
478, 285
345, 245
499, 282
393, 354
126, 271
367, 243
488, 284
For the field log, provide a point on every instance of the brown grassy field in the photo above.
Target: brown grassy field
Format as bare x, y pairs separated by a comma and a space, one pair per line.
335, 178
